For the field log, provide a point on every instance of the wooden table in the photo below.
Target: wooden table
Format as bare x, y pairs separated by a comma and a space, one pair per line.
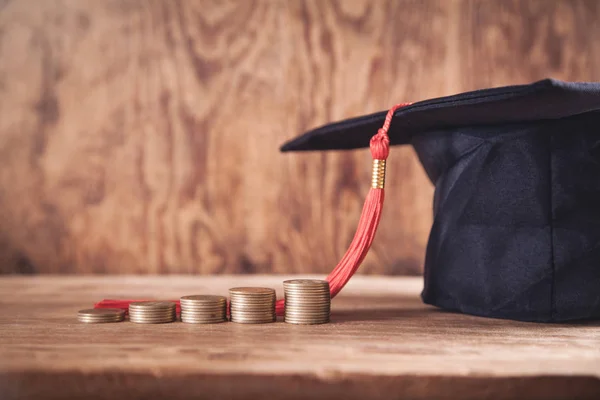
382, 343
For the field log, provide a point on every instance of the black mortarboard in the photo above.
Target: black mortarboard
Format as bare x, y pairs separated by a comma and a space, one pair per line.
516, 231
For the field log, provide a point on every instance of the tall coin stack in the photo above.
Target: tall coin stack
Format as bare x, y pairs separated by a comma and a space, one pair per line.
101, 315
152, 312
307, 301
252, 305
203, 309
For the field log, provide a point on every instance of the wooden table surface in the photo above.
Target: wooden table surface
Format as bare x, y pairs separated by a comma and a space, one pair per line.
382, 343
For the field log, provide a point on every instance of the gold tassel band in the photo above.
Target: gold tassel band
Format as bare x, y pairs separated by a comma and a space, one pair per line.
378, 180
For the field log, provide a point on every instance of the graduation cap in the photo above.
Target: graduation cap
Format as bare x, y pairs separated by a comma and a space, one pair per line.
516, 231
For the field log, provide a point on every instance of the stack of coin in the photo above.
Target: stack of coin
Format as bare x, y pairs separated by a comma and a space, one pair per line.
252, 305
307, 301
203, 309
152, 312
101, 315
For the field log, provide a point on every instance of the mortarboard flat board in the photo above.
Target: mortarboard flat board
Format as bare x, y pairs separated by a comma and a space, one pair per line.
516, 231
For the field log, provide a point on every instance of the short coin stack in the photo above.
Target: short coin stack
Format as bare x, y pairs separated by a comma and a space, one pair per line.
152, 312
203, 309
307, 301
252, 305
101, 315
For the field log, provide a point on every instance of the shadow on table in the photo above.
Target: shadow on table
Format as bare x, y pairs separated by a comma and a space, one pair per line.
377, 314
433, 315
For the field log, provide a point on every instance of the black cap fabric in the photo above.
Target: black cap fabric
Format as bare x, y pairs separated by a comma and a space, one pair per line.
516, 231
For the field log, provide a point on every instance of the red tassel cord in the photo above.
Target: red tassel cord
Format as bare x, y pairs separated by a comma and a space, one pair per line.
370, 216
367, 225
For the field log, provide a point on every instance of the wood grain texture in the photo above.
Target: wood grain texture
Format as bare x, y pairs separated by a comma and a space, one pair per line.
142, 136
382, 343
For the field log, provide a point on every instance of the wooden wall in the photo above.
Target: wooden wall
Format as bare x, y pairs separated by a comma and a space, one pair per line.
142, 136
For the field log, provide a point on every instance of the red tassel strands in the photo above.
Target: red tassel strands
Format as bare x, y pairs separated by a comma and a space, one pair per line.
367, 225
371, 214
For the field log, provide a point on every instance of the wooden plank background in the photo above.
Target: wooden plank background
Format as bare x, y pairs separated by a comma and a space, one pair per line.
142, 136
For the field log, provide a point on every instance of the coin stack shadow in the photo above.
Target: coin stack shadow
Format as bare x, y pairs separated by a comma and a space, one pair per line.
252, 305
203, 309
307, 301
101, 315
152, 312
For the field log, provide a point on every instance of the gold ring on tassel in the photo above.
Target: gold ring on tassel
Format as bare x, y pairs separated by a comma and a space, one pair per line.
378, 180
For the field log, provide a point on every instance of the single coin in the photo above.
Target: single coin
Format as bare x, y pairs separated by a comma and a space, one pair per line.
242, 321
291, 292
307, 302
251, 309
93, 312
151, 304
306, 282
270, 304
203, 321
203, 298
251, 291
152, 311
307, 316
252, 315
289, 308
101, 315
202, 316
99, 320
203, 306
305, 291
326, 295
152, 316
204, 311
287, 321
312, 305
104, 317
252, 299
135, 321
155, 316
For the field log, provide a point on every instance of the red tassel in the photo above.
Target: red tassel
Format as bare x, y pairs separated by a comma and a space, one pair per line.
369, 219
365, 232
